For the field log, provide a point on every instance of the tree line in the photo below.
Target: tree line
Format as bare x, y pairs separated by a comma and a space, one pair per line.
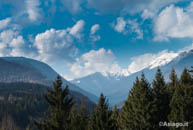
146, 106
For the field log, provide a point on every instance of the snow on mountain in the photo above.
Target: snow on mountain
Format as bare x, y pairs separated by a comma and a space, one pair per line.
151, 60
162, 60
117, 86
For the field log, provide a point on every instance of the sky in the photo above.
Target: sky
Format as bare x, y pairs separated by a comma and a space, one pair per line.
80, 37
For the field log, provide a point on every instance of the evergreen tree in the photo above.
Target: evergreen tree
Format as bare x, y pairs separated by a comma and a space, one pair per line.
182, 102
101, 118
60, 105
74, 118
186, 78
160, 101
79, 119
173, 82
137, 109
115, 117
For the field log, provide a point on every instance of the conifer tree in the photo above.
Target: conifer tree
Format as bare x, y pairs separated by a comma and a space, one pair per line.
173, 82
137, 109
116, 118
79, 119
161, 100
182, 102
186, 78
60, 105
173, 78
101, 117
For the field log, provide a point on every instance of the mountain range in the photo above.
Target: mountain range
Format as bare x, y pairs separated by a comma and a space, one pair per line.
20, 69
116, 87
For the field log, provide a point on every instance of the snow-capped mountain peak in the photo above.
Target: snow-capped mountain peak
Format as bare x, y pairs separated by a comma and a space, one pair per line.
162, 60
116, 75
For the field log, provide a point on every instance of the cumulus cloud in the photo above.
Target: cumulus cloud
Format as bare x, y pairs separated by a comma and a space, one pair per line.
95, 61
4, 23
54, 45
12, 44
174, 22
127, 26
93, 32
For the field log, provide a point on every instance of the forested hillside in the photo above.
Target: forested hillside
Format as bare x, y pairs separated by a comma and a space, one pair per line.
20, 103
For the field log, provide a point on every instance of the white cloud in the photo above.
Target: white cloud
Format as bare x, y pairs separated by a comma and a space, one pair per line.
33, 10
24, 10
136, 29
77, 29
12, 44
4, 23
127, 26
147, 14
120, 25
93, 32
130, 6
174, 22
94, 28
95, 61
54, 45
74, 6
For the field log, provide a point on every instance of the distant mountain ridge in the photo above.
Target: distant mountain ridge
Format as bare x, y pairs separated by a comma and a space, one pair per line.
116, 88
20, 69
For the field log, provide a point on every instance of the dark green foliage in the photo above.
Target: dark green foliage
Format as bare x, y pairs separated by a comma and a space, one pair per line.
173, 83
137, 109
182, 101
186, 78
60, 105
79, 118
101, 118
116, 117
160, 100
143, 110
22, 102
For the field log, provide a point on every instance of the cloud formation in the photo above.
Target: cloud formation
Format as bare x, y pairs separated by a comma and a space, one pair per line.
74, 6
4, 23
127, 26
12, 44
95, 61
174, 22
58, 45
95, 37
129, 6
32, 10
77, 29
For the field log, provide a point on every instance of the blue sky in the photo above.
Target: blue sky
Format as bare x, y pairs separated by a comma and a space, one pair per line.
81, 37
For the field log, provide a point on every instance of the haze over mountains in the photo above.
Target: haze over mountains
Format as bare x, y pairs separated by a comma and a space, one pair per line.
116, 87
